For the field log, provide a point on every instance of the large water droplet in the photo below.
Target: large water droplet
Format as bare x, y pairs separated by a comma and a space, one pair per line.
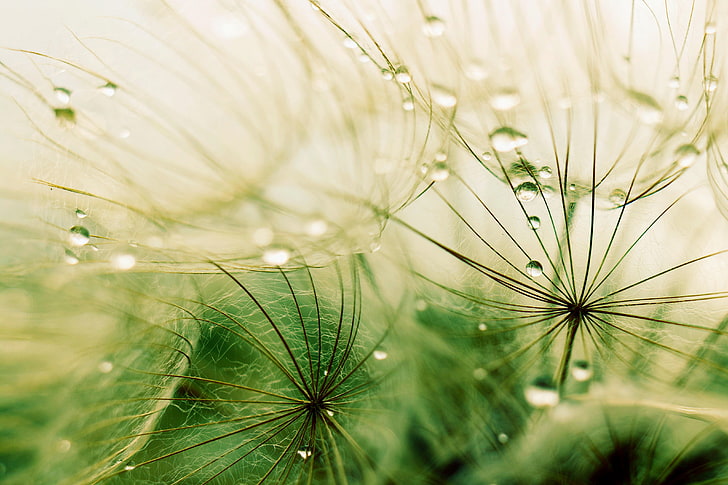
581, 370
505, 99
63, 95
527, 191
542, 393
433, 27
534, 222
681, 103
123, 261
505, 139
78, 236
108, 89
685, 155
534, 269
647, 109
276, 256
617, 197
402, 75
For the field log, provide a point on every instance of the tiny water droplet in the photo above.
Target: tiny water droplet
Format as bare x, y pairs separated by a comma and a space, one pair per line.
681, 103
276, 256
685, 155
476, 71
330, 413
387, 75
505, 99
545, 172
317, 228
479, 374
304, 453
63, 95
420, 305
542, 393
108, 89
487, 156
402, 75
505, 139
380, 354
105, 367
581, 370
129, 468
503, 438
482, 327
65, 115
78, 236
69, 257
711, 83
408, 104
710, 28
647, 109
63, 446
534, 222
123, 261
443, 97
350, 43
534, 269
375, 246
263, 236
81, 214
617, 197
547, 191
433, 26
439, 171
674, 82
527, 191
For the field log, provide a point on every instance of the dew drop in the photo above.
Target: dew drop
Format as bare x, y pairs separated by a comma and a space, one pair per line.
65, 115
487, 156
439, 171
108, 89
534, 222
581, 370
63, 95
503, 438
330, 413
129, 468
527, 191
78, 236
710, 28
433, 27
105, 367
420, 305
547, 191
81, 214
408, 104
647, 109
123, 261
479, 374
476, 71
505, 99
617, 197
685, 155
375, 246
304, 454
380, 354
681, 103
276, 256
505, 139
69, 257
482, 327
542, 393
402, 75
545, 172
711, 83
674, 82
387, 75
443, 97
534, 269
317, 228
263, 236
63, 446
350, 43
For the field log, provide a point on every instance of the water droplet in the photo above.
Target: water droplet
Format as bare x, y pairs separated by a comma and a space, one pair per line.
581, 370
433, 27
482, 327
479, 374
503, 438
81, 214
305, 453
547, 191
534, 269
617, 197
505, 99
710, 28
685, 155
380, 354
674, 82
476, 71
317, 228
681, 103
129, 468
78, 236
711, 83
542, 393
408, 104
123, 261
65, 115
387, 75
505, 139
330, 413
105, 367
443, 97
69, 257
545, 172
63, 446
263, 236
487, 156
375, 246
350, 43
402, 75
647, 109
276, 256
534, 222
420, 305
63, 95
108, 89
527, 191
439, 171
